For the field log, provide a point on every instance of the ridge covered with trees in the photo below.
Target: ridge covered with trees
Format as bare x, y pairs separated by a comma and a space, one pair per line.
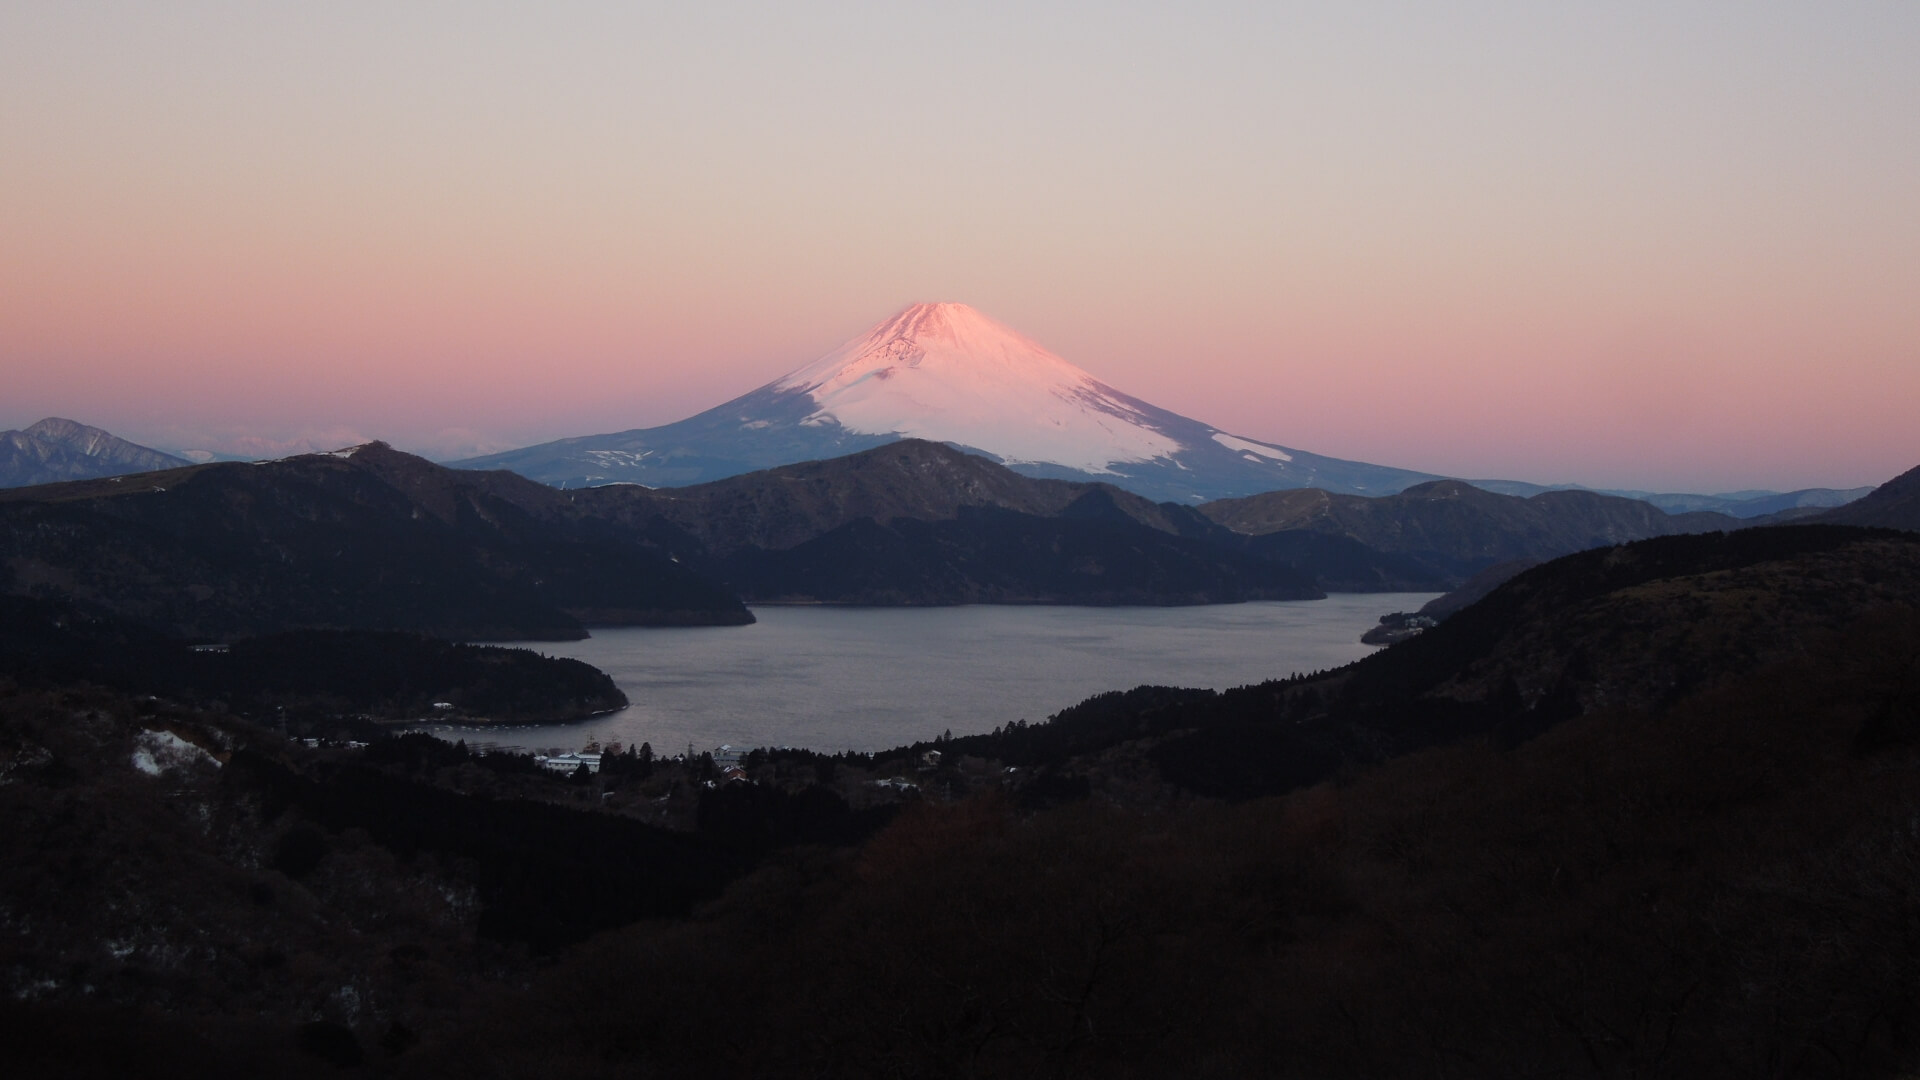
920, 522
377, 539
368, 540
303, 682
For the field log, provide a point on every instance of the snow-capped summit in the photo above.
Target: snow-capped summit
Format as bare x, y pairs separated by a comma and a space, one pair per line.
55, 449
947, 373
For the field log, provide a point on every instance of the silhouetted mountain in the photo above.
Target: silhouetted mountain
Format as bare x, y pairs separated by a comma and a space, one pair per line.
1750, 504
1638, 625
1898, 508
990, 555
306, 680
1471, 590
1460, 529
1338, 563
368, 539
1893, 505
1431, 536
781, 507
919, 522
54, 450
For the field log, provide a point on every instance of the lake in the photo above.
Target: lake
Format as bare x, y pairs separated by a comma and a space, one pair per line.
844, 678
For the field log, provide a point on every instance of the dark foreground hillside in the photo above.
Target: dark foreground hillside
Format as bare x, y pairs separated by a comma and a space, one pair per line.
1893, 505
1726, 886
190, 894
1666, 831
1645, 811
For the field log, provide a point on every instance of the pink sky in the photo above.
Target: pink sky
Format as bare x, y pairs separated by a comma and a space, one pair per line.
1662, 246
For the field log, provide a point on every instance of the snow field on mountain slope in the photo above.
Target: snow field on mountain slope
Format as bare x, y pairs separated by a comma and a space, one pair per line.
1247, 446
947, 373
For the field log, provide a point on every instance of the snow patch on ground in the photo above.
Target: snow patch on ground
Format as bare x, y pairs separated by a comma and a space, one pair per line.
1248, 447
157, 751
608, 459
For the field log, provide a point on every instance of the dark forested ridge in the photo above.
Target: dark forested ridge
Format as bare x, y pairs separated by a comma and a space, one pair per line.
915, 522
985, 555
781, 507
798, 531
374, 539
1893, 505
1457, 529
1632, 627
305, 681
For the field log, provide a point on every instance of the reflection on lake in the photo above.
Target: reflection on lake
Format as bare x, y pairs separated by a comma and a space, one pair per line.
836, 678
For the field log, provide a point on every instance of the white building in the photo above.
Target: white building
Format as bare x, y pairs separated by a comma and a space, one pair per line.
567, 763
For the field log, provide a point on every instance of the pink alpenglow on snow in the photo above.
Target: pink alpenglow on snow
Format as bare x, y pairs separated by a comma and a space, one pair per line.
947, 373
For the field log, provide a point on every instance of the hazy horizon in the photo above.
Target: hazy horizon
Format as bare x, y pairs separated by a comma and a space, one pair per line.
1656, 247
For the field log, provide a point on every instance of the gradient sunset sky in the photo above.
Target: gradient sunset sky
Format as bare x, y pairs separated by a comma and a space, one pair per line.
1672, 246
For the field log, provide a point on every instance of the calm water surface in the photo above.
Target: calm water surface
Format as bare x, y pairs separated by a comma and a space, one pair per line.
835, 678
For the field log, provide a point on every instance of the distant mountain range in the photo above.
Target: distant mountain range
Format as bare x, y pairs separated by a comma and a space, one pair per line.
947, 373
1751, 504
768, 533
54, 450
1893, 505
1780, 506
376, 539
917, 522
1459, 529
371, 539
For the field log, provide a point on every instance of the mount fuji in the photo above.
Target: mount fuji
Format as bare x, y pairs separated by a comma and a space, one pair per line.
947, 373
